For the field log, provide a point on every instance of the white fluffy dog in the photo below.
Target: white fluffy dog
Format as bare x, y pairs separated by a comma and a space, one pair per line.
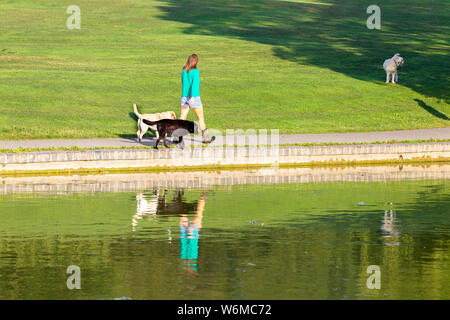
391, 65
142, 127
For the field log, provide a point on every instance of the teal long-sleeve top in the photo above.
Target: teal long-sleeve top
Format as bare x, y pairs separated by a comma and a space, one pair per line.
190, 83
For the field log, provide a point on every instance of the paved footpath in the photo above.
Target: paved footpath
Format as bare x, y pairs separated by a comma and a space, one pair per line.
353, 137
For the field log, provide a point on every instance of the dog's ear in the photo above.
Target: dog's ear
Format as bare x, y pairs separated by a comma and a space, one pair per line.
174, 116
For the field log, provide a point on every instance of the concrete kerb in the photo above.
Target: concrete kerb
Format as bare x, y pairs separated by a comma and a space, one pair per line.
116, 158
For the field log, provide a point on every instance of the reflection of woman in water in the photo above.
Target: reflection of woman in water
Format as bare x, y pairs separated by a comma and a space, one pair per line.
189, 229
189, 235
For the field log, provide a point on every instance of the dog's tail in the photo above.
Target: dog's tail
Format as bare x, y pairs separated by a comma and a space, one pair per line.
150, 123
136, 112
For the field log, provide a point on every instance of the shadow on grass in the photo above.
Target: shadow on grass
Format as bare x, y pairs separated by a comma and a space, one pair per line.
431, 110
333, 34
133, 116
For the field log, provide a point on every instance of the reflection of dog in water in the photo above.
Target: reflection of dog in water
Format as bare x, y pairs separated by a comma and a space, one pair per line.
156, 204
389, 222
147, 206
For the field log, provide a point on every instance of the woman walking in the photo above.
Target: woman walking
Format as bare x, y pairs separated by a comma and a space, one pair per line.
190, 95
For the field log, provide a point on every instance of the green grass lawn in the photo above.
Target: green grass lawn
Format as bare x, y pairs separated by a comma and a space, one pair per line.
298, 66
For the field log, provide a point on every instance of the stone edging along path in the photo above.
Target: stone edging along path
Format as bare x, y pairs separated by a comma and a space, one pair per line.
221, 156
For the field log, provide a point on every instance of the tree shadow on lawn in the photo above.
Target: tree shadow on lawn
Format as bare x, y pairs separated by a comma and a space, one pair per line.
333, 35
431, 110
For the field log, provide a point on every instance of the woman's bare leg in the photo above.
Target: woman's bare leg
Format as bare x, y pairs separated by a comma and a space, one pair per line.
201, 118
184, 112
201, 122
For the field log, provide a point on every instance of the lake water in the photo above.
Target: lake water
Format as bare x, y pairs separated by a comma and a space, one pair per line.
313, 240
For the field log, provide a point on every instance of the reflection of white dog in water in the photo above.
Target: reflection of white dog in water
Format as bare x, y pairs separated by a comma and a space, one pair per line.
146, 207
389, 224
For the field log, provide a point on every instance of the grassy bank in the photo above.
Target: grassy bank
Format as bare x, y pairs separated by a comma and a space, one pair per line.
301, 67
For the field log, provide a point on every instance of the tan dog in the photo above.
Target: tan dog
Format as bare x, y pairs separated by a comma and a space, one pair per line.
142, 127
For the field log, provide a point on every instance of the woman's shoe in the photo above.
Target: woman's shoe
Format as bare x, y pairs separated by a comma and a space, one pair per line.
206, 137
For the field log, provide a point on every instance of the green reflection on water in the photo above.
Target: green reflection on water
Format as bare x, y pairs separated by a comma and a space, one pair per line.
292, 241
